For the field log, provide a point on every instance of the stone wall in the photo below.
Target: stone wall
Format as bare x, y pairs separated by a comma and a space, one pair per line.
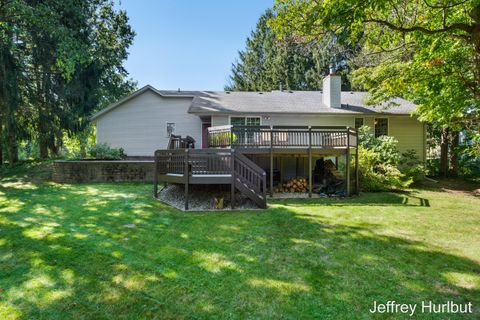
103, 171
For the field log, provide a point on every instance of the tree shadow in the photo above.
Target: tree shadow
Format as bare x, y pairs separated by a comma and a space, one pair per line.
405, 198
65, 252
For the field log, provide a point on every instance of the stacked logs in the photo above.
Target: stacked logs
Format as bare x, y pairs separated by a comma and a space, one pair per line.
294, 185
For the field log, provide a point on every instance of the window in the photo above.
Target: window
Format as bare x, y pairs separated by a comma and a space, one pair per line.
237, 121
253, 121
249, 136
245, 121
358, 122
381, 127
170, 129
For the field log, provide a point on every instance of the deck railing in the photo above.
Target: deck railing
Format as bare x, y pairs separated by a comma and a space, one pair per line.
211, 165
281, 137
199, 161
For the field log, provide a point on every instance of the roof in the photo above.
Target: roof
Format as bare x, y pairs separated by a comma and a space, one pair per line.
295, 102
163, 93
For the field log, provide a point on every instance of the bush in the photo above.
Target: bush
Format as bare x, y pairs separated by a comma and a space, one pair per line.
384, 146
222, 139
469, 167
411, 166
378, 176
381, 166
103, 151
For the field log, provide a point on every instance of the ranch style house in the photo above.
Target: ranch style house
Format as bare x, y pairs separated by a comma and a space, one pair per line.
257, 142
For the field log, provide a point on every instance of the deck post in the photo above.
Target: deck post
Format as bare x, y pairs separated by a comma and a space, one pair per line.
347, 163
186, 175
155, 177
310, 182
271, 161
232, 187
357, 183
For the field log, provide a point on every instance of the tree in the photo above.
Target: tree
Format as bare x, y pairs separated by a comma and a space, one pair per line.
268, 63
424, 50
61, 59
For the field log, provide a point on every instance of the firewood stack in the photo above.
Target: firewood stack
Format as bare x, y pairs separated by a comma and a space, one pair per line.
294, 185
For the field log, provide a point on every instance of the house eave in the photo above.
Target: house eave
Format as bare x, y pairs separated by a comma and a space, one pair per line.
133, 95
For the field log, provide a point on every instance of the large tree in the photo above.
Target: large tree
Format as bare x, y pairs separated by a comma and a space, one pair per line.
424, 50
268, 62
61, 59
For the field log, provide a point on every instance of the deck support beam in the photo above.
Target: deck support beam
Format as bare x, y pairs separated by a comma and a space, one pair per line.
310, 182
155, 178
186, 177
357, 183
232, 187
271, 161
347, 163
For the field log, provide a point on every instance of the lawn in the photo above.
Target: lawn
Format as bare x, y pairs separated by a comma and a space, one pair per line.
110, 251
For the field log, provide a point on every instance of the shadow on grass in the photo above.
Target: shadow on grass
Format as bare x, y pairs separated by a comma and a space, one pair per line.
365, 199
65, 252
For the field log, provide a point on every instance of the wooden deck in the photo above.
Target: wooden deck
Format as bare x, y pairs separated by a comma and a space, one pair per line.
224, 162
211, 166
282, 138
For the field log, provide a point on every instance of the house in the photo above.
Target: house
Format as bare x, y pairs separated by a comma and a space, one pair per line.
285, 133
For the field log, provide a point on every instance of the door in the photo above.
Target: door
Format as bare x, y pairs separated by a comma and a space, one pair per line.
205, 127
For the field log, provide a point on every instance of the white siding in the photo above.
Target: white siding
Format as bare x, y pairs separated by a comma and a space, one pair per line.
310, 120
410, 134
139, 125
407, 130
220, 120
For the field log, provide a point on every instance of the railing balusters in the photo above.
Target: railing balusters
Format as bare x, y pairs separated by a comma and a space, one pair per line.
280, 136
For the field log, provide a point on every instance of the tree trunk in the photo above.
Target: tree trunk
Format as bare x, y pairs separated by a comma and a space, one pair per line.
42, 132
1, 143
11, 144
455, 138
444, 153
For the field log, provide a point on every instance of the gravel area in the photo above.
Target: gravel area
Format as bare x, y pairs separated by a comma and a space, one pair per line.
201, 197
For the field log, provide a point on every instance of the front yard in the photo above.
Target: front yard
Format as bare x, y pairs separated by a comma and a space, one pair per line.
111, 251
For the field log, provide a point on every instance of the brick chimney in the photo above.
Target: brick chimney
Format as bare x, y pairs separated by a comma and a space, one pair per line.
332, 90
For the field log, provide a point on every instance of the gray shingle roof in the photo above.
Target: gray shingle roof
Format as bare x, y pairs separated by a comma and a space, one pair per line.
311, 102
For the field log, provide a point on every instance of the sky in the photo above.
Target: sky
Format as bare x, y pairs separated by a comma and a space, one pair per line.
188, 44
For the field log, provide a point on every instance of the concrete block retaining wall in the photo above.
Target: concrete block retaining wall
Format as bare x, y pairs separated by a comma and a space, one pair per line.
103, 171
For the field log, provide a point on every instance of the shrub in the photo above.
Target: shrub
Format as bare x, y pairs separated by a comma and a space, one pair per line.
469, 167
222, 139
103, 151
411, 166
376, 175
379, 163
384, 146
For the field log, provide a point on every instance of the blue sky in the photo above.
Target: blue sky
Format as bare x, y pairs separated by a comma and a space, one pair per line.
188, 44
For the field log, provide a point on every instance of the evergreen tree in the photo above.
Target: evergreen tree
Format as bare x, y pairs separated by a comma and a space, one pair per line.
293, 63
60, 61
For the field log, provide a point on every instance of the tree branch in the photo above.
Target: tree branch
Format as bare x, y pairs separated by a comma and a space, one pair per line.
454, 26
445, 6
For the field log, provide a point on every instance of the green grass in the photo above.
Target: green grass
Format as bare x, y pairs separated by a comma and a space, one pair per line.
65, 252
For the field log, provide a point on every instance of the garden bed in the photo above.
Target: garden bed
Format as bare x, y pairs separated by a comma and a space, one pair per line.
202, 197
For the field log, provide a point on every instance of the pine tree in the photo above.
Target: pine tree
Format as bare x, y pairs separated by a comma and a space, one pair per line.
268, 62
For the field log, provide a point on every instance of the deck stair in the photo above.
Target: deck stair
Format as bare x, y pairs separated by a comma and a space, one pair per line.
211, 166
250, 180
